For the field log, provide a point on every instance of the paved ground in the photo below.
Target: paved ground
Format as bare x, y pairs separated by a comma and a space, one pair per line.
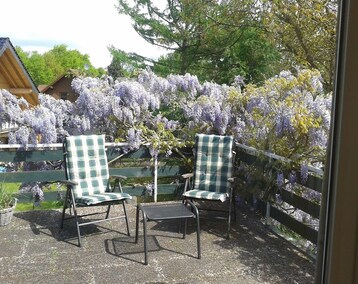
33, 249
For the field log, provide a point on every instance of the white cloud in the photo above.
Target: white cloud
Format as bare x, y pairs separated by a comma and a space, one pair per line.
89, 26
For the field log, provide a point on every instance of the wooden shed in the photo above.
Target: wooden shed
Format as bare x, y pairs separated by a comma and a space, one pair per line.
61, 88
13, 74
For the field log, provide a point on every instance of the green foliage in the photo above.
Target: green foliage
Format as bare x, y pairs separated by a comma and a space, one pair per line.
252, 57
222, 39
305, 33
167, 64
292, 99
124, 64
45, 205
6, 197
208, 40
47, 67
258, 177
36, 65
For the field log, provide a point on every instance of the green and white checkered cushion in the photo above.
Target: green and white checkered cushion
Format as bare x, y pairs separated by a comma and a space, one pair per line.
86, 164
213, 167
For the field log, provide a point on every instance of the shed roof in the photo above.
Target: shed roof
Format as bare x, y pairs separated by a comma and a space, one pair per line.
14, 72
59, 78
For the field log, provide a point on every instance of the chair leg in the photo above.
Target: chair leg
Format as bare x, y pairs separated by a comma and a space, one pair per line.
63, 214
64, 209
73, 202
145, 241
145, 238
144, 232
234, 204
198, 236
195, 210
137, 225
229, 219
126, 217
108, 209
77, 225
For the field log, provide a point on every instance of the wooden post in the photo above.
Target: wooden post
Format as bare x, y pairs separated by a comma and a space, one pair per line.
155, 189
268, 218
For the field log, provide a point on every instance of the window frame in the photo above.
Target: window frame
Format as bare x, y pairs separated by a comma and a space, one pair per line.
337, 259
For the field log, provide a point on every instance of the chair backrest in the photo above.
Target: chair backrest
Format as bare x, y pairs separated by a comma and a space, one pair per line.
86, 163
213, 162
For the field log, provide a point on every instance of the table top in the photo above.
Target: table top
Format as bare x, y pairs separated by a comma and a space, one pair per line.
167, 211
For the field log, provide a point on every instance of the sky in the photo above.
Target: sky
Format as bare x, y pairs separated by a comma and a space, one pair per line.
89, 26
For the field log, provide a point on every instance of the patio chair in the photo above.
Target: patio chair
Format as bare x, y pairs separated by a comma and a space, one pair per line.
87, 180
212, 179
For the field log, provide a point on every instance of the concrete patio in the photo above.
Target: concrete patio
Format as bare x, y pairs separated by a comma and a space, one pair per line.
33, 249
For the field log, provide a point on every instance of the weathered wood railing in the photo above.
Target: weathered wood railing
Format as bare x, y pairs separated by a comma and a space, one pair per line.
251, 156
53, 152
7, 126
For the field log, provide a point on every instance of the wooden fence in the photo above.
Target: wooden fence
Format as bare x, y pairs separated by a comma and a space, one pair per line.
155, 170
148, 169
314, 181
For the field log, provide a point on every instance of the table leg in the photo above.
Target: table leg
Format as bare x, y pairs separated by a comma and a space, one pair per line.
198, 235
137, 225
145, 238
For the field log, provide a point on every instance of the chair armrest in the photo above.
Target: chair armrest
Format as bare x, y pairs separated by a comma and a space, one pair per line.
118, 177
117, 182
188, 175
68, 182
232, 179
187, 178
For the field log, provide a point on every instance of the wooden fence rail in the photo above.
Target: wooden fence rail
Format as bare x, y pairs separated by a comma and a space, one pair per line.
314, 182
54, 152
147, 169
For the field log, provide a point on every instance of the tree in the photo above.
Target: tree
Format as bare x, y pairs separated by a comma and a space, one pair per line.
123, 64
170, 28
252, 57
45, 68
36, 65
305, 33
252, 38
216, 40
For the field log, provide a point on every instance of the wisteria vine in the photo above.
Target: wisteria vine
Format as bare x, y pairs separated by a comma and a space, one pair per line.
288, 114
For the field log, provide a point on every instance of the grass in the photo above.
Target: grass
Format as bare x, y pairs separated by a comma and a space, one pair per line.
45, 205
12, 187
26, 206
26, 203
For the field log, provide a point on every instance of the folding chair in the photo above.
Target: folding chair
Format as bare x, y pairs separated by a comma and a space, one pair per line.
87, 181
212, 179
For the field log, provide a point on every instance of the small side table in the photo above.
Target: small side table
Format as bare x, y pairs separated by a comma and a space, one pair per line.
158, 212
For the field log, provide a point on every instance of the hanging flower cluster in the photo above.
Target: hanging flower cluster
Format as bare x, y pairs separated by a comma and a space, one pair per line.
288, 114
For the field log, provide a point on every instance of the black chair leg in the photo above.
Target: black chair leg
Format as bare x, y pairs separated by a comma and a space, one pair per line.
108, 209
77, 225
229, 219
198, 236
144, 232
126, 217
137, 225
63, 215
64, 209
145, 239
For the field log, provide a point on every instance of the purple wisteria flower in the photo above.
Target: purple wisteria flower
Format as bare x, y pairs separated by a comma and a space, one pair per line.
292, 178
304, 172
280, 180
35, 188
134, 139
